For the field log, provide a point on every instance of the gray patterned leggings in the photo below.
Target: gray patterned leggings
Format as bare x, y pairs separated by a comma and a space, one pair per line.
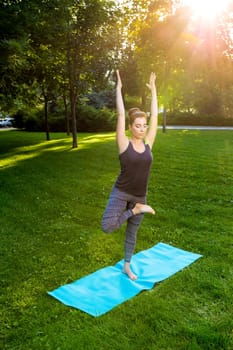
118, 210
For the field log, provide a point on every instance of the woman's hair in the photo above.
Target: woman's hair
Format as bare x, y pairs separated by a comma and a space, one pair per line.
134, 113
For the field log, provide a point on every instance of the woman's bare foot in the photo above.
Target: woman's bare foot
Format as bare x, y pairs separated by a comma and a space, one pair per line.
127, 271
142, 208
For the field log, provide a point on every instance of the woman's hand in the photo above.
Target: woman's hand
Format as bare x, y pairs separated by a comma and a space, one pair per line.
119, 83
151, 83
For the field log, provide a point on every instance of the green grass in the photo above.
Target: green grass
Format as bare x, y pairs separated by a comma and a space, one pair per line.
51, 202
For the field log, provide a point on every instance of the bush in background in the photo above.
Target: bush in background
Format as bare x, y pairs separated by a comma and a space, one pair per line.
28, 119
102, 99
91, 119
187, 118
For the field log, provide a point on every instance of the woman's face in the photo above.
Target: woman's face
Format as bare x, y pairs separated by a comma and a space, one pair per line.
139, 127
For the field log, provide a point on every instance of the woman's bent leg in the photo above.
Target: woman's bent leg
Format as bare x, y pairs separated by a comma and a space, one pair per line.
116, 212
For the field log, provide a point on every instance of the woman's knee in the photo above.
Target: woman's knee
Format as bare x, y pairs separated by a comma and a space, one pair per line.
107, 226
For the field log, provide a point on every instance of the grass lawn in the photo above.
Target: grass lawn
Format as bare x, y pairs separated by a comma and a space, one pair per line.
51, 202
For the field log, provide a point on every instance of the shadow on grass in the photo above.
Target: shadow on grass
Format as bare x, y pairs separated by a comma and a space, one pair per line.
23, 149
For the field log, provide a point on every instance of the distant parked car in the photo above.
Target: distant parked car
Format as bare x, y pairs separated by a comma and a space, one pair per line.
6, 122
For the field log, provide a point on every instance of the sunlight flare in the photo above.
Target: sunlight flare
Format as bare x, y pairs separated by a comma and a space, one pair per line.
206, 9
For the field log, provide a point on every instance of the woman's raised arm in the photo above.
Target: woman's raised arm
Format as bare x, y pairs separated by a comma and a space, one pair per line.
121, 138
153, 125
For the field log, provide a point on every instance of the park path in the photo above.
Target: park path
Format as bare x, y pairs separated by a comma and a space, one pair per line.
193, 127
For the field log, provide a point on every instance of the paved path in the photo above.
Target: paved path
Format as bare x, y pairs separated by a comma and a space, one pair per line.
191, 127
6, 129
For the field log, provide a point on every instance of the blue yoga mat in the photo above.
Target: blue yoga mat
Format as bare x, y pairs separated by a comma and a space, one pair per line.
108, 287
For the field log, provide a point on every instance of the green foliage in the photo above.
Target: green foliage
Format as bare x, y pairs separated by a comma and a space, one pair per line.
90, 119
188, 118
61, 48
104, 98
29, 119
52, 49
52, 199
193, 63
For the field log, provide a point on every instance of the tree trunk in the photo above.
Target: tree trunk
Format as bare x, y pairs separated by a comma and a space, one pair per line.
46, 117
164, 119
71, 61
67, 115
73, 117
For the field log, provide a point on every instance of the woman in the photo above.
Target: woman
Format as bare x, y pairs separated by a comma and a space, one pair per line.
127, 201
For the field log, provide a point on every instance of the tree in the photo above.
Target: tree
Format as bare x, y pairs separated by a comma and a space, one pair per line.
87, 25
29, 59
70, 45
159, 46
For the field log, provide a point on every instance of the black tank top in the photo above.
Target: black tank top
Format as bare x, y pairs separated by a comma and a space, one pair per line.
135, 168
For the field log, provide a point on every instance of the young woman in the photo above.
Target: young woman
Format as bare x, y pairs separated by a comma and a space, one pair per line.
127, 201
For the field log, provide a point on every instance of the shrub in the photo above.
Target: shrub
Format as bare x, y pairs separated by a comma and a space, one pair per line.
186, 118
30, 120
102, 99
91, 119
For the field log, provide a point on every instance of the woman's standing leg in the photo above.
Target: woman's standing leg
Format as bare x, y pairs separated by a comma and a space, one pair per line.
131, 235
133, 224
